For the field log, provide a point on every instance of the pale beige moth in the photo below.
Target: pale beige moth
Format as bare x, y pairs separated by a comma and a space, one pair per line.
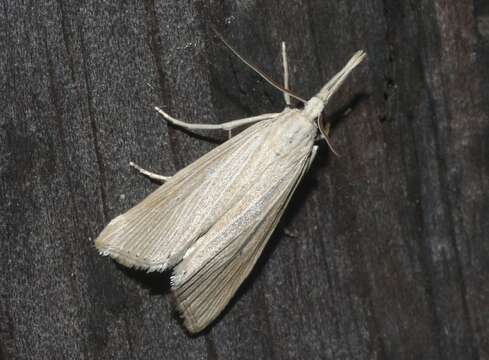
211, 220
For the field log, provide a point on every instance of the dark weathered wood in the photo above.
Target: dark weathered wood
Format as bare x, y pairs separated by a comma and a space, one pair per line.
391, 258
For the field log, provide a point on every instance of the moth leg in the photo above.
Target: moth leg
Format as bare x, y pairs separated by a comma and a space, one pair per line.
149, 174
286, 74
324, 131
224, 126
313, 156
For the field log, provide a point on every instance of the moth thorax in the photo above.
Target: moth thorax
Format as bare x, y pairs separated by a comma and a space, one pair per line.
313, 108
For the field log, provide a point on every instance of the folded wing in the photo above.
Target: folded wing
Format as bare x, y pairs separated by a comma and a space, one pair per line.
155, 234
215, 266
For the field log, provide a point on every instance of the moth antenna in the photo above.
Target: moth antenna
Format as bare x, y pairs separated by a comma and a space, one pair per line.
325, 133
257, 70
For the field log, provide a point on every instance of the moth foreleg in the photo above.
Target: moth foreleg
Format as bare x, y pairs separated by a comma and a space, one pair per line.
324, 131
224, 126
150, 174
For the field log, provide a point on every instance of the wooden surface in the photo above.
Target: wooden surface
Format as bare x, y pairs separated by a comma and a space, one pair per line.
389, 257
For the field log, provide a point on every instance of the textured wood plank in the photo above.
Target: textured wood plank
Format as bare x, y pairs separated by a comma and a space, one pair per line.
391, 258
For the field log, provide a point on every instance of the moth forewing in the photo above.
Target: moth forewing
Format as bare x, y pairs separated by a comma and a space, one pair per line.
274, 162
154, 234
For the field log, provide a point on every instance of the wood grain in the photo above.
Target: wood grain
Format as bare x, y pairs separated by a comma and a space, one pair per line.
390, 258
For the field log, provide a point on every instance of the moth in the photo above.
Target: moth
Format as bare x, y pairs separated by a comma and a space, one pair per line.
211, 220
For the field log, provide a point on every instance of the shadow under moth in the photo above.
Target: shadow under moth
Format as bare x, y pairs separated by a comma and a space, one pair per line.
211, 220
